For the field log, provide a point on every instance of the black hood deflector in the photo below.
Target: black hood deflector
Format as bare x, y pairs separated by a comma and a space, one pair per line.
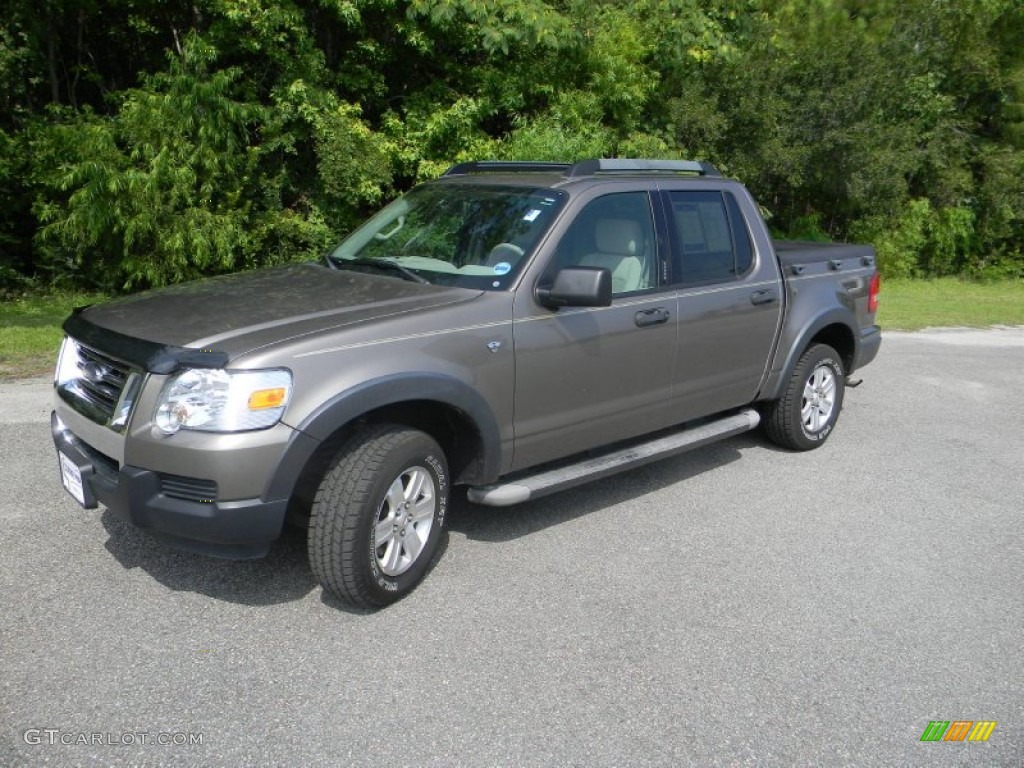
147, 355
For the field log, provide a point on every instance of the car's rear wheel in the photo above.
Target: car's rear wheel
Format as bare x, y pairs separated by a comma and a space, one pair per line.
806, 414
378, 517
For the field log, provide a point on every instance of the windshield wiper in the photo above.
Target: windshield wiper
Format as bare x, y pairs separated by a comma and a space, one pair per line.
383, 265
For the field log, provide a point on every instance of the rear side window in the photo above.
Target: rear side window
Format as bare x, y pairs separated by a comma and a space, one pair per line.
711, 240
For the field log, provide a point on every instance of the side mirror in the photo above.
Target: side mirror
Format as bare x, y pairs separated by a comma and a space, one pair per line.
578, 287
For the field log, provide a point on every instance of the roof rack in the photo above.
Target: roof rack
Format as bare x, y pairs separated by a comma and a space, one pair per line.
505, 166
585, 167
624, 165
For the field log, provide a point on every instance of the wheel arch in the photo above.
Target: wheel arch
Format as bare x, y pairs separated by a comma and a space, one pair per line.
840, 337
448, 410
832, 328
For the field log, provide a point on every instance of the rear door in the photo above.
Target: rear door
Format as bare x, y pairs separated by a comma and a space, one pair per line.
729, 298
586, 377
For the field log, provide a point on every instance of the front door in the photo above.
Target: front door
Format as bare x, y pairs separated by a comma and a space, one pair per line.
586, 377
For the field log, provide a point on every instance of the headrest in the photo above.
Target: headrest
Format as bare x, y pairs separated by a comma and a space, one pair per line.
620, 236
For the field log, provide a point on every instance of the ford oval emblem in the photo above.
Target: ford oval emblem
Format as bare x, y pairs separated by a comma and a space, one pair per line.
93, 372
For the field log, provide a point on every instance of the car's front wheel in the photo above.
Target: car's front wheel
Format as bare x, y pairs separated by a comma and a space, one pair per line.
379, 514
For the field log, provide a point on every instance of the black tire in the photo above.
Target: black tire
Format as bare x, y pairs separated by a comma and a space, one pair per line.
798, 419
356, 500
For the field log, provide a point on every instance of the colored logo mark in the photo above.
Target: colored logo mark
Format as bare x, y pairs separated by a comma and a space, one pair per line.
958, 730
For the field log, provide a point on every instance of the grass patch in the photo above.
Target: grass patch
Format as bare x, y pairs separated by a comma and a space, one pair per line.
30, 331
911, 305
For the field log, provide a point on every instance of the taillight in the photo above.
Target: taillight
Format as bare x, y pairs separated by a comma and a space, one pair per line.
873, 289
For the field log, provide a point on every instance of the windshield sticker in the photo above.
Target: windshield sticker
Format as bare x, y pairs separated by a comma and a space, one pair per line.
532, 215
502, 268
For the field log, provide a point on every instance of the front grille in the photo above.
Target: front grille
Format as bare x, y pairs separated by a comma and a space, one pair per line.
102, 379
96, 385
188, 488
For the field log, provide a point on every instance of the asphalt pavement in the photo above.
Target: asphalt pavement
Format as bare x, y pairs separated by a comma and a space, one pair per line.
736, 606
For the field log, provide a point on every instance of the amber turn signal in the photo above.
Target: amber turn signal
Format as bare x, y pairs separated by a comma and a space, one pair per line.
267, 398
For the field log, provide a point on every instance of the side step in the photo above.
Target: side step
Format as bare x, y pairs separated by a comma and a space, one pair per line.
594, 467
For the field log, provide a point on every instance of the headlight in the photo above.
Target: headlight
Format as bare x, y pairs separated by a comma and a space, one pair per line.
213, 400
67, 362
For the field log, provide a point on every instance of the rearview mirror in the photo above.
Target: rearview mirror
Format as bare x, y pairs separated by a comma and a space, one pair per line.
578, 287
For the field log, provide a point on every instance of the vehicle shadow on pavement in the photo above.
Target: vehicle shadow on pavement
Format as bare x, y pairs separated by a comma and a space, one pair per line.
283, 576
498, 524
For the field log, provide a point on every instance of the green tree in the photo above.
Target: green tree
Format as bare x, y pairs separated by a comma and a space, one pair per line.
144, 141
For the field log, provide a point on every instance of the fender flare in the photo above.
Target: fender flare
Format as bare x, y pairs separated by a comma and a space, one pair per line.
837, 316
349, 405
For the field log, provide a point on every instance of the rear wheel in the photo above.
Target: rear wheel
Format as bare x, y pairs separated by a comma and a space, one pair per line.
378, 517
805, 415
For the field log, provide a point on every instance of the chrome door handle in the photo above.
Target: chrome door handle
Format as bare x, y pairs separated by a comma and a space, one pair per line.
763, 297
655, 316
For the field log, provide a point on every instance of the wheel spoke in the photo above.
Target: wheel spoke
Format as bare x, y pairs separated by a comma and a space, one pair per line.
416, 479
392, 556
422, 509
396, 495
413, 546
384, 532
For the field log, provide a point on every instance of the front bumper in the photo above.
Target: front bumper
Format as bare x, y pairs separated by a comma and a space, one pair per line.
238, 529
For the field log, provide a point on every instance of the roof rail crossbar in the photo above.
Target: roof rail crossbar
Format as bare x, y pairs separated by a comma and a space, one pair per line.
505, 166
585, 167
625, 165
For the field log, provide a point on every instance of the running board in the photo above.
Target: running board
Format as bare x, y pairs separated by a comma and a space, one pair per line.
593, 467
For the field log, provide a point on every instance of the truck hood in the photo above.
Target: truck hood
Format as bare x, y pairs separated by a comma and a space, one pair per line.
237, 312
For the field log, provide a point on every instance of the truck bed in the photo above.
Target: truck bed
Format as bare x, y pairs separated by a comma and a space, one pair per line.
796, 253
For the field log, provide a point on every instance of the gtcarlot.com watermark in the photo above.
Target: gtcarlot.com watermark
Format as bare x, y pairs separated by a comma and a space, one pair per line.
54, 736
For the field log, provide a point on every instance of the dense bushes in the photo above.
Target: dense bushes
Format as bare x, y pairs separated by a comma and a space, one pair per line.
148, 141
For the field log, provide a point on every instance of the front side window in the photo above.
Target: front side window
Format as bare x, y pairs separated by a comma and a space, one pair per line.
470, 235
712, 243
614, 231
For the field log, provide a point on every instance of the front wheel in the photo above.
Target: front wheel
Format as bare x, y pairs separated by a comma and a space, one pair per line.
378, 518
805, 415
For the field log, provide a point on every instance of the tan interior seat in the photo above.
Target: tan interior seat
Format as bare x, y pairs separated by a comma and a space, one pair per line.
619, 244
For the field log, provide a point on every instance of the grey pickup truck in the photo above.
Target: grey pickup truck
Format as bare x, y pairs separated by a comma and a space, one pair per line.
514, 328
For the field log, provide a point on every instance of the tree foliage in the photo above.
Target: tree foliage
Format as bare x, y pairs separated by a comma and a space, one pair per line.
144, 142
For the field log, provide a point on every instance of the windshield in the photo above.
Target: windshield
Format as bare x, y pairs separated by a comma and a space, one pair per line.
466, 235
